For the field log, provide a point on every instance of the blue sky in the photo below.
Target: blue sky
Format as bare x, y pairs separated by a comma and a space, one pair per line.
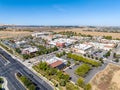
60, 12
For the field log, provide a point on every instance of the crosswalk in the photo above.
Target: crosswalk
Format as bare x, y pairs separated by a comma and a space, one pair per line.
6, 69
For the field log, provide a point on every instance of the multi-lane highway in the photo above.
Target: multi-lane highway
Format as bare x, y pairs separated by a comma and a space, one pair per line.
8, 70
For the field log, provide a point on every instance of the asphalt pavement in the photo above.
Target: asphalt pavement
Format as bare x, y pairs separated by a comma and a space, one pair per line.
8, 71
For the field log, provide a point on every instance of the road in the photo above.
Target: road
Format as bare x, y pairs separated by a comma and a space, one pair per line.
94, 71
13, 67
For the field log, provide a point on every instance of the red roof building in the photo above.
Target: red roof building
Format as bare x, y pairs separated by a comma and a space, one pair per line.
58, 44
56, 64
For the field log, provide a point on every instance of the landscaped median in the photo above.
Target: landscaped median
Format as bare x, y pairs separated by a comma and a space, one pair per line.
6, 48
83, 70
84, 60
10, 50
1, 82
26, 82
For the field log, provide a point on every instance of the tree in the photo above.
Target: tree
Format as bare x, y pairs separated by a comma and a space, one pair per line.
96, 58
71, 86
1, 80
58, 55
114, 55
18, 50
108, 37
107, 54
66, 77
51, 71
92, 57
68, 63
80, 82
62, 82
55, 48
89, 56
64, 52
31, 87
82, 70
85, 55
63, 76
26, 56
26, 81
82, 59
32, 55
43, 66
88, 87
101, 60
117, 60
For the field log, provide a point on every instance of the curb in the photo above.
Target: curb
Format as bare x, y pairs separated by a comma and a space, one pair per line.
38, 74
21, 82
4, 85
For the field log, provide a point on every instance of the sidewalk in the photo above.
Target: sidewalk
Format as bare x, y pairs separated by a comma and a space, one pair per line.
44, 78
38, 74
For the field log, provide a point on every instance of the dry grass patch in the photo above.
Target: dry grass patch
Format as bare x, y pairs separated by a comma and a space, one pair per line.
80, 30
14, 34
108, 79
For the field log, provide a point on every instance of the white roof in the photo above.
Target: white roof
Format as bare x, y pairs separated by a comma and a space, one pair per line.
54, 59
63, 40
31, 49
20, 42
83, 46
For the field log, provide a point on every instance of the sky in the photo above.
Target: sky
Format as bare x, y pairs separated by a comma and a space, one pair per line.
60, 12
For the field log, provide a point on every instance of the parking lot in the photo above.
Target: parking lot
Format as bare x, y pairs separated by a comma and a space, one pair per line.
97, 53
71, 71
89, 75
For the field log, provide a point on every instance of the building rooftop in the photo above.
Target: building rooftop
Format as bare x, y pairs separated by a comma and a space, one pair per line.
83, 46
54, 59
57, 63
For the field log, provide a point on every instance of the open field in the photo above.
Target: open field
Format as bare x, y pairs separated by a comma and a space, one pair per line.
108, 79
80, 30
13, 34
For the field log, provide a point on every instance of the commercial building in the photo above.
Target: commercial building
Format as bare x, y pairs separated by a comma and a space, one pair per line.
104, 46
20, 43
56, 62
29, 50
81, 48
109, 41
62, 42
39, 34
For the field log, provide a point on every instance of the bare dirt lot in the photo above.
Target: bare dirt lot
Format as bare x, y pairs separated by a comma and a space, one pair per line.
108, 79
83, 31
13, 34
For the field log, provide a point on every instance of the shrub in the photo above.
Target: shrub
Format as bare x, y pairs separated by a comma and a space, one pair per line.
83, 69
85, 60
80, 82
